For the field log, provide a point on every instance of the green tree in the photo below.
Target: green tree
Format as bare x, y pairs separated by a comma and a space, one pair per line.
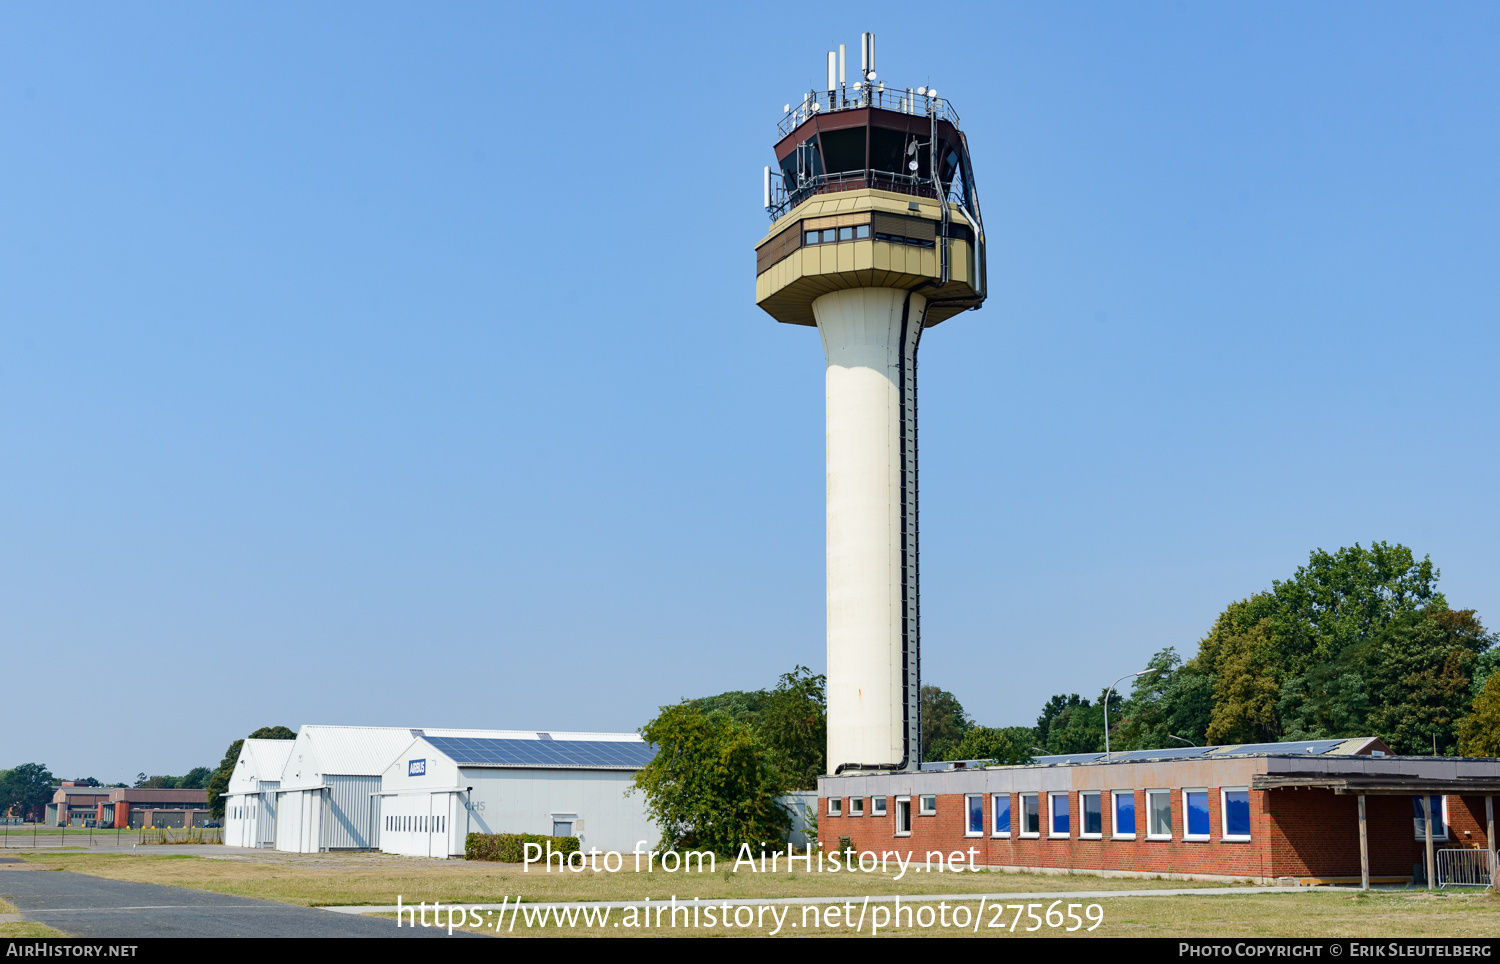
1479, 733
26, 791
1051, 710
793, 725
195, 779
1248, 672
1008, 745
218, 783
1357, 642
711, 785
944, 723
1171, 702
743, 705
1420, 674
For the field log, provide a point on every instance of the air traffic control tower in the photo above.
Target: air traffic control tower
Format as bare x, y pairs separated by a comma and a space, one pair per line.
875, 236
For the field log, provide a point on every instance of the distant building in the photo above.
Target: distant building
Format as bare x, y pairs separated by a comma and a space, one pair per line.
1325, 811
75, 806
137, 808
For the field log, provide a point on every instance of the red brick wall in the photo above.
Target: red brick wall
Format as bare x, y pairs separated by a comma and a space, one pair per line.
1315, 833
1293, 833
945, 832
1467, 814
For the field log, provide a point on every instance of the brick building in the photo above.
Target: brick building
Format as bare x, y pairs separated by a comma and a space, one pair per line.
1232, 812
75, 805
136, 808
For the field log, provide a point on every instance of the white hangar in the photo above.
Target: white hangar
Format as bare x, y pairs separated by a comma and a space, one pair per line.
340, 784
250, 801
442, 787
327, 798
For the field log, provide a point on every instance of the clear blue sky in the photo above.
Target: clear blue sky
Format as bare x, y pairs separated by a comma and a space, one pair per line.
311, 412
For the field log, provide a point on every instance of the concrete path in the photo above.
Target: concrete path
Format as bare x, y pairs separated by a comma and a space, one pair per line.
93, 907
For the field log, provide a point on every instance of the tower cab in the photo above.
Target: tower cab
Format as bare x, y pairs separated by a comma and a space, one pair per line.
873, 187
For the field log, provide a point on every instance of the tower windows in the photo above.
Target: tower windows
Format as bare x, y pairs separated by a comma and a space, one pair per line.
856, 232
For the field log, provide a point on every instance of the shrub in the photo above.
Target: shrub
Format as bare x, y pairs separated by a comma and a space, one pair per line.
711, 785
510, 848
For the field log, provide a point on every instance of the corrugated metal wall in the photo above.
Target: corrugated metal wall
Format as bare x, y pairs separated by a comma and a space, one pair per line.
266, 819
351, 820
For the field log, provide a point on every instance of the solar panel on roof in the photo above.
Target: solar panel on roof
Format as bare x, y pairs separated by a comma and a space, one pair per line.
1170, 753
578, 754
1306, 746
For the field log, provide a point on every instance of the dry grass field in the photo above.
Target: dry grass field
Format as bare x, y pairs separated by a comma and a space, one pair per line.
22, 928
367, 879
344, 879
1316, 913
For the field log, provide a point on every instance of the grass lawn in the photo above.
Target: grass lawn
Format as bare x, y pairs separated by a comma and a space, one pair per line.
24, 928
370, 878
1317, 912
377, 879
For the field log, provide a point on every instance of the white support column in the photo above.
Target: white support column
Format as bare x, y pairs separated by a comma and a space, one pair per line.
1489, 834
1427, 822
1364, 847
870, 338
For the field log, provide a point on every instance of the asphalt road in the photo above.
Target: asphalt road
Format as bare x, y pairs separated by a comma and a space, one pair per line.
94, 907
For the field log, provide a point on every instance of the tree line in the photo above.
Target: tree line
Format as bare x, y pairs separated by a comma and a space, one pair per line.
26, 790
1358, 642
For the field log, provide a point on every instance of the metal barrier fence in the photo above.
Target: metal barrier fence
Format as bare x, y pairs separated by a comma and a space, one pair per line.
39, 836
1466, 867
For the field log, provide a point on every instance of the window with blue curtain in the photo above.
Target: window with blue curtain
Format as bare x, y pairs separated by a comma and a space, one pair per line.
1236, 813
1196, 804
1093, 816
976, 814
1002, 813
1125, 812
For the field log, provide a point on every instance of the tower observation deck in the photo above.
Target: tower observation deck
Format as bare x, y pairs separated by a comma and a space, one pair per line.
875, 236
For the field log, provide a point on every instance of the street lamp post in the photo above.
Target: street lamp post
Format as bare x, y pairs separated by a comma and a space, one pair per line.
1106, 706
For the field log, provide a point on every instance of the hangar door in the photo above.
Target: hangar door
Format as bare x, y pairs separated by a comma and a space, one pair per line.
422, 824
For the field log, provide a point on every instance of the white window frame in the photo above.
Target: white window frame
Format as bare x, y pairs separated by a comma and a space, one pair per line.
1036, 797
835, 806
1187, 820
923, 810
969, 799
1114, 814
877, 806
899, 802
1150, 835
1010, 814
856, 806
1052, 796
1083, 833
1224, 793
1421, 837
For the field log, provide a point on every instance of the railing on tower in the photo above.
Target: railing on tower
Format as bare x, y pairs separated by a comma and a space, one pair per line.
856, 96
782, 197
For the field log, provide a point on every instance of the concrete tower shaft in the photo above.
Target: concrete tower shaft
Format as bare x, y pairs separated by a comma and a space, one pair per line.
870, 338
